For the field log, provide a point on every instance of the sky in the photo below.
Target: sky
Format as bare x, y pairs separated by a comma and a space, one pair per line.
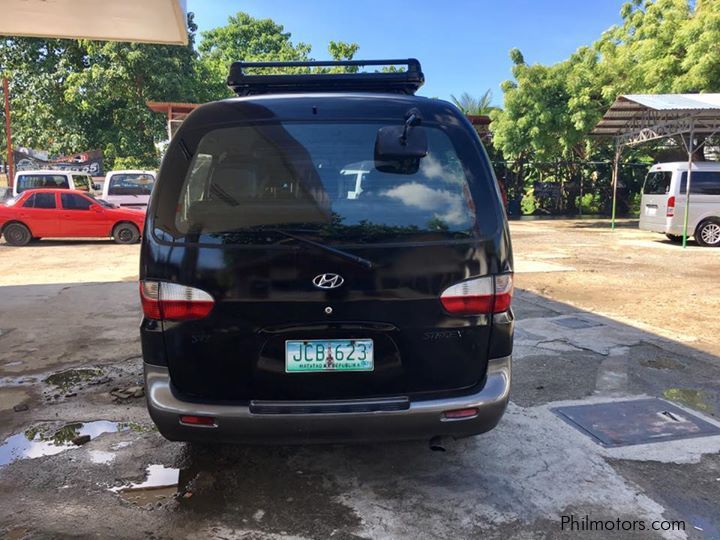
463, 45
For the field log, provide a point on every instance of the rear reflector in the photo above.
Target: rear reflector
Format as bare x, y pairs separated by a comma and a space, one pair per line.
460, 413
173, 302
670, 206
198, 420
490, 294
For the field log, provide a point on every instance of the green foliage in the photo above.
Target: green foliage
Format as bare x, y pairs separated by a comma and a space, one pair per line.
528, 203
475, 106
662, 46
74, 95
245, 38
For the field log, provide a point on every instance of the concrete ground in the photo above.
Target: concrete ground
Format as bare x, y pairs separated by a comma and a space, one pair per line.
70, 367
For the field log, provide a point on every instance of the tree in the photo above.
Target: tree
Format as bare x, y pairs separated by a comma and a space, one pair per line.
662, 46
474, 106
75, 95
245, 38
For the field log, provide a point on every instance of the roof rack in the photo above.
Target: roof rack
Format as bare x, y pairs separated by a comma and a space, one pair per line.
401, 82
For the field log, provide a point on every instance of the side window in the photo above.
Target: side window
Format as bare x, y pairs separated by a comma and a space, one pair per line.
30, 203
81, 182
71, 201
702, 183
40, 200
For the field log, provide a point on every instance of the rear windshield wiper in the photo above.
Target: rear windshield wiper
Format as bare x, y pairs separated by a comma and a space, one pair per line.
339, 252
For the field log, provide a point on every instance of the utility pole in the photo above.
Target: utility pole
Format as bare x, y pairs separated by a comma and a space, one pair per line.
8, 133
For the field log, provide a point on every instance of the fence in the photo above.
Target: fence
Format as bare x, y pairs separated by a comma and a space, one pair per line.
569, 188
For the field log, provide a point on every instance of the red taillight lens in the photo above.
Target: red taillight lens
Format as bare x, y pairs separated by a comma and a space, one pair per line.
671, 206
198, 420
458, 414
490, 294
173, 302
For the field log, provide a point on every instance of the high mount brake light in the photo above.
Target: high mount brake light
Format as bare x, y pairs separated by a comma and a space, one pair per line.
485, 295
670, 206
173, 302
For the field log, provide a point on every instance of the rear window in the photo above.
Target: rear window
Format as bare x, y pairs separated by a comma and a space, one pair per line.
245, 182
657, 183
33, 181
131, 184
701, 183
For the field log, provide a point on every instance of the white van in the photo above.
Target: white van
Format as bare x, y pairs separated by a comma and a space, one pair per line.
52, 179
662, 208
129, 188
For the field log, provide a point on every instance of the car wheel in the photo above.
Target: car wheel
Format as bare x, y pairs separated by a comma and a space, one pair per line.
708, 233
674, 238
17, 234
126, 233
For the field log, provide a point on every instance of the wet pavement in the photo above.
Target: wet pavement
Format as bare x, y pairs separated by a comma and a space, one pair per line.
59, 389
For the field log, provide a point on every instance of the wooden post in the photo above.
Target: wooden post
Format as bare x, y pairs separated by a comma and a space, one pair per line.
8, 133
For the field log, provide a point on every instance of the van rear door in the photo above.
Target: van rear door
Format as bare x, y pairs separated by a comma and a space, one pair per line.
264, 217
654, 203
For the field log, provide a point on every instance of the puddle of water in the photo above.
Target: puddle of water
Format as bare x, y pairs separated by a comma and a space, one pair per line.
697, 399
70, 377
161, 483
662, 362
35, 442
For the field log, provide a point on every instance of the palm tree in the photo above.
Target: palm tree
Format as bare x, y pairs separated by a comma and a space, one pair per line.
472, 105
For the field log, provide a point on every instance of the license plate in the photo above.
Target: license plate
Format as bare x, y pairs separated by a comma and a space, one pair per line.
329, 355
650, 211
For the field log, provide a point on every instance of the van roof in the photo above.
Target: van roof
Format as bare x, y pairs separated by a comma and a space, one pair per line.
683, 166
50, 171
131, 171
321, 106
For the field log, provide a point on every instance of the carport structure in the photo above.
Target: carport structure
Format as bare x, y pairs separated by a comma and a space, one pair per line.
638, 118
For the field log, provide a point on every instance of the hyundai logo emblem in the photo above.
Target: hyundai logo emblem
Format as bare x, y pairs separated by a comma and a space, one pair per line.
328, 281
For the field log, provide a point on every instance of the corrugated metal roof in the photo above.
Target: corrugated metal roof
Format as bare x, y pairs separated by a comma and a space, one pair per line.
631, 107
669, 102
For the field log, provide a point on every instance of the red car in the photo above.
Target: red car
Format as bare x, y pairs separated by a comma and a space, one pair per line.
64, 213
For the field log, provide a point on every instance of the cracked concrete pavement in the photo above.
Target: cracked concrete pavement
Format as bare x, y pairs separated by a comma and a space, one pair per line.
515, 482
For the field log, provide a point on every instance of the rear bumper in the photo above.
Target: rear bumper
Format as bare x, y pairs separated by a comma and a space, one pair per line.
421, 419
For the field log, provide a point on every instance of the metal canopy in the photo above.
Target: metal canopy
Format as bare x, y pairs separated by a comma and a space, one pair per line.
638, 118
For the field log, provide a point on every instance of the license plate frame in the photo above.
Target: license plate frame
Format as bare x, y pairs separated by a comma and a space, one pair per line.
297, 355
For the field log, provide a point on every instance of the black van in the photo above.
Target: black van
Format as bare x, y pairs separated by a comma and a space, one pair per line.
326, 258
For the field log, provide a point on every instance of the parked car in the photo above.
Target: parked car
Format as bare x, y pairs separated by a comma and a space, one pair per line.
662, 208
63, 213
290, 295
49, 179
130, 188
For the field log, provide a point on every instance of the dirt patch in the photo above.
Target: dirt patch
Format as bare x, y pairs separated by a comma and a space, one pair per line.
631, 275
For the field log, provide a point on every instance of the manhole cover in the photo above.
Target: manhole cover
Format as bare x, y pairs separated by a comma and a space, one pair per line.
640, 421
575, 323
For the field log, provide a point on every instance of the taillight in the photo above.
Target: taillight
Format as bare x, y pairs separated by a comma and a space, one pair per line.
198, 420
490, 294
173, 302
670, 206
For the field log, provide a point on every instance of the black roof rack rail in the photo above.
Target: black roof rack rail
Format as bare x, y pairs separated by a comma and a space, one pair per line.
402, 82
